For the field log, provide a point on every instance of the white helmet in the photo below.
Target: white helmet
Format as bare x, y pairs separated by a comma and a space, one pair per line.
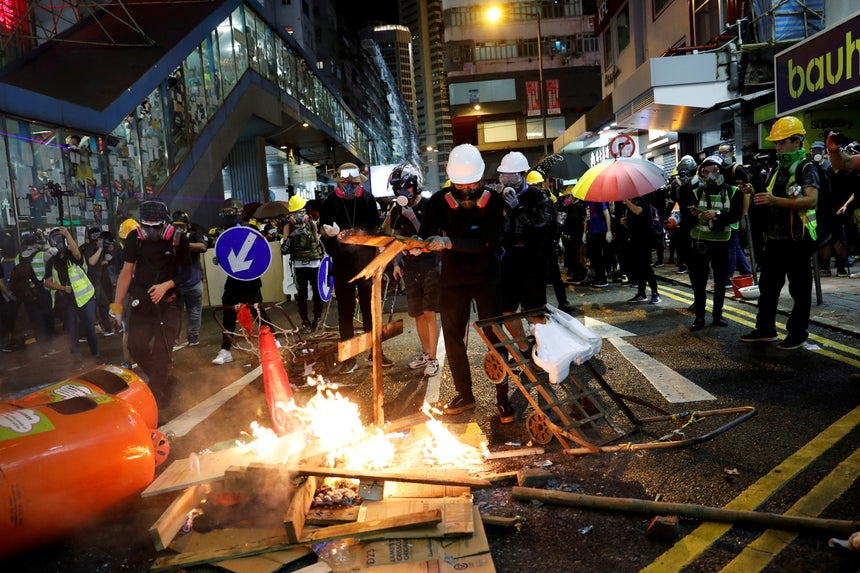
514, 162
465, 165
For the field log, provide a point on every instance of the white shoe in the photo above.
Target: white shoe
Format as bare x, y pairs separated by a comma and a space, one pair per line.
277, 343
224, 356
432, 368
419, 361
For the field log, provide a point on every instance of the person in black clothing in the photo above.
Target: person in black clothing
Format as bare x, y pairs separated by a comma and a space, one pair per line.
790, 195
156, 260
94, 254
419, 270
464, 222
351, 206
687, 179
638, 224
236, 292
572, 219
735, 174
191, 291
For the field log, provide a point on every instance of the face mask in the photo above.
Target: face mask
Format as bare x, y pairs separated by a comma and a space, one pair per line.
151, 232
231, 220
712, 179
818, 158
404, 196
349, 190
788, 159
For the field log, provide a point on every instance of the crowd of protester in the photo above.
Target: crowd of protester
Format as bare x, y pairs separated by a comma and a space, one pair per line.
498, 243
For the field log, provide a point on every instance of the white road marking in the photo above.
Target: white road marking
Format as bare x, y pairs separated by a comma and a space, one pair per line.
186, 421
605, 330
673, 386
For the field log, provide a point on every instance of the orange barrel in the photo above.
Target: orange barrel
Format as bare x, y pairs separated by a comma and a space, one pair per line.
106, 379
65, 463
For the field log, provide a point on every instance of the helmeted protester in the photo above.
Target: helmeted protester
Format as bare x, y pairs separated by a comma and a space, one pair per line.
790, 198
419, 270
301, 240
464, 221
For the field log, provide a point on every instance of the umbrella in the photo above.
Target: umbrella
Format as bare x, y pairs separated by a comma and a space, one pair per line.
619, 179
272, 209
561, 166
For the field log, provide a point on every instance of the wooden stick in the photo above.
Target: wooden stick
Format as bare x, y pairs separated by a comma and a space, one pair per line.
264, 545
501, 521
514, 453
734, 516
362, 528
168, 525
387, 476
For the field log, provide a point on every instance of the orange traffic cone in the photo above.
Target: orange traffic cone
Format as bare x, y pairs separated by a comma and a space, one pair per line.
276, 382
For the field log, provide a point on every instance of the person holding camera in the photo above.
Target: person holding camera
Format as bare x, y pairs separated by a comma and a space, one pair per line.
715, 205
191, 291
95, 255
73, 290
156, 260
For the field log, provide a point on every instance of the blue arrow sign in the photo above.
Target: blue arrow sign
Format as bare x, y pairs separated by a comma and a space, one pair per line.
243, 253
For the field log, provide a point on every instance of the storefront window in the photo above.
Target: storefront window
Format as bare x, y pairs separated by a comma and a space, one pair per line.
195, 92
227, 61
153, 147
176, 111
211, 74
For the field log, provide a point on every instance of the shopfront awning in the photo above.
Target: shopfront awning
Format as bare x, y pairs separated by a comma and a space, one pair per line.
740, 100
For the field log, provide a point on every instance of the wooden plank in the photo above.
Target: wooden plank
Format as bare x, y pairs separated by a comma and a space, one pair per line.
364, 342
501, 521
168, 525
331, 515
239, 549
515, 453
374, 526
425, 477
457, 518
499, 477
398, 489
376, 314
294, 519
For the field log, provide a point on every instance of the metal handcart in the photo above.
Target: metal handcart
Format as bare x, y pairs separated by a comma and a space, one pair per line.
583, 412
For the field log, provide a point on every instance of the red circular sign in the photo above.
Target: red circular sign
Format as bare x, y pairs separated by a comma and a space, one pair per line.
622, 146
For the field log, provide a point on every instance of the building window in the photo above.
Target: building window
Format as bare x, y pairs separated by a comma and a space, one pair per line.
622, 24
497, 131
659, 6
608, 54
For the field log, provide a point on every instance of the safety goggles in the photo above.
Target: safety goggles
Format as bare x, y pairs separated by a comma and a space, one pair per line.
686, 173
228, 212
349, 173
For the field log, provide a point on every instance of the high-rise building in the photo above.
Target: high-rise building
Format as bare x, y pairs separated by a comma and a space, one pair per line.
395, 44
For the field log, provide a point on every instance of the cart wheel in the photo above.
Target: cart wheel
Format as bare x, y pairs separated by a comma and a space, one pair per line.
494, 369
538, 426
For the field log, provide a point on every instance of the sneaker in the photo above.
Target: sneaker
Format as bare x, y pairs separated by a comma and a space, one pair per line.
459, 404
348, 366
639, 298
419, 361
506, 413
111, 332
193, 341
655, 299
223, 357
842, 273
682, 271
792, 342
432, 368
386, 361
600, 284
759, 336
305, 328
658, 264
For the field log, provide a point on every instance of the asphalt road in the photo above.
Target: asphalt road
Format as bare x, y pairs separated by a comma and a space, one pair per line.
797, 455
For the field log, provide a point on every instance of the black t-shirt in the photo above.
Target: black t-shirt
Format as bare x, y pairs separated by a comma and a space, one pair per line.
156, 262
640, 225
402, 225
359, 213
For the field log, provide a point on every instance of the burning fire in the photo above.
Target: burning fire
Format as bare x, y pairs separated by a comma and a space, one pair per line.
331, 423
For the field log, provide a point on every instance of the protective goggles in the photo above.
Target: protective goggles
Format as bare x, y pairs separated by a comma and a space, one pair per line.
349, 173
686, 173
229, 212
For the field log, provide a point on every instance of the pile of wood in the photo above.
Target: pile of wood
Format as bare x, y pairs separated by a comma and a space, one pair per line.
259, 517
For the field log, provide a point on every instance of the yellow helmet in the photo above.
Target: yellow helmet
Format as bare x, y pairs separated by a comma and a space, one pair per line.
533, 178
297, 203
568, 190
127, 227
785, 127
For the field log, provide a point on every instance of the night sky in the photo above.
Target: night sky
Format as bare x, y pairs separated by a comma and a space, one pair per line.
363, 13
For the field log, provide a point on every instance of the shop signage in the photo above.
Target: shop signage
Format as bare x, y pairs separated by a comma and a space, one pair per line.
533, 98
822, 67
553, 107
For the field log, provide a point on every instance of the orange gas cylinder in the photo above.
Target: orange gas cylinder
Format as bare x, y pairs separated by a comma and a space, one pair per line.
106, 379
65, 463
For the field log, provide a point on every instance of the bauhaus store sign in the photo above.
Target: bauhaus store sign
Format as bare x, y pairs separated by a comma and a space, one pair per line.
822, 67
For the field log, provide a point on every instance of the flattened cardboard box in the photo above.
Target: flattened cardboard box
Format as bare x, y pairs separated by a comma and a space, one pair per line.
456, 516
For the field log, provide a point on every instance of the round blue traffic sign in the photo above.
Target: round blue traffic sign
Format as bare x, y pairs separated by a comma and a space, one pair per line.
243, 253
325, 280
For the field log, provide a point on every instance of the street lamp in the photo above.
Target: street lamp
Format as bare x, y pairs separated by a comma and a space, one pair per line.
493, 15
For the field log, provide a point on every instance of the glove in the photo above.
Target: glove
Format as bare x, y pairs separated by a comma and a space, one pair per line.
608, 236
510, 197
115, 310
330, 230
439, 243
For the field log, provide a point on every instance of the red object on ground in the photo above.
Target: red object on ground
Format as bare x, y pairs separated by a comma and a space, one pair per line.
243, 316
65, 463
276, 381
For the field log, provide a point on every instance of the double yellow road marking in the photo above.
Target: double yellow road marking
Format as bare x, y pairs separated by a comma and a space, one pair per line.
828, 347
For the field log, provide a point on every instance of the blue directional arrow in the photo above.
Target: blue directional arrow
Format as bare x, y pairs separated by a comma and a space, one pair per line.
243, 253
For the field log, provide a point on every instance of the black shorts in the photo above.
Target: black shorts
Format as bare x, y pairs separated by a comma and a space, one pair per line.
422, 291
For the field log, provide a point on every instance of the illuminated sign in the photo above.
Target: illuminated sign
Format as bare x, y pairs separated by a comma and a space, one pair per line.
822, 67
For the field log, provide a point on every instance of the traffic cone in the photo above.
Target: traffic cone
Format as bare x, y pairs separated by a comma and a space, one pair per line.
276, 382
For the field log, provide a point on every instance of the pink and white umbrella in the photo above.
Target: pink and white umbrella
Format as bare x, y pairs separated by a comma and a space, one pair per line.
619, 179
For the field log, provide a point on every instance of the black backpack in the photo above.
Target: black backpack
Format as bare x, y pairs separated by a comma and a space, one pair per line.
23, 282
655, 220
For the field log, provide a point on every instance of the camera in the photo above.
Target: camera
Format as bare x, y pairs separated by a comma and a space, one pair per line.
54, 189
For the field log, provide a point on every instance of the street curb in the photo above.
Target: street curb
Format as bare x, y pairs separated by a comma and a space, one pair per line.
823, 323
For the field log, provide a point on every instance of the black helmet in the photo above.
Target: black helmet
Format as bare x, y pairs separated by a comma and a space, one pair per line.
154, 212
406, 176
179, 218
233, 203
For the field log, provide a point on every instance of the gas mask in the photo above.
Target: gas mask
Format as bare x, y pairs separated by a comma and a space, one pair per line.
230, 217
151, 231
298, 218
818, 155
349, 189
712, 178
57, 242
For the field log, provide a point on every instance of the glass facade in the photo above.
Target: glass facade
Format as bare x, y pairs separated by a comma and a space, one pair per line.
48, 173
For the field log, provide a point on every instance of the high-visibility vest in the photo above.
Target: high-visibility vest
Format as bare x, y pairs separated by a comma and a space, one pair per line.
82, 288
720, 201
808, 217
37, 261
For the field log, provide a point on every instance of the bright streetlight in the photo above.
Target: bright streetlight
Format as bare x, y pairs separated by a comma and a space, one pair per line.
494, 14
